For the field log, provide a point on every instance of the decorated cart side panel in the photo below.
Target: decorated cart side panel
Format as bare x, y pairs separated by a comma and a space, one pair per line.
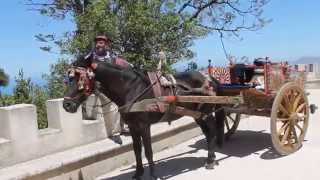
277, 74
269, 77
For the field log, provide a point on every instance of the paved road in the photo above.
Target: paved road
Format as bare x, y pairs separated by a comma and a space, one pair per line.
248, 155
313, 85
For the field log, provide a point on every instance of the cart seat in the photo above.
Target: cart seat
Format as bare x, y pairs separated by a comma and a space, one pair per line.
234, 86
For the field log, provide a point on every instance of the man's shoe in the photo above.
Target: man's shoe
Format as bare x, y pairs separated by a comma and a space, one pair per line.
117, 139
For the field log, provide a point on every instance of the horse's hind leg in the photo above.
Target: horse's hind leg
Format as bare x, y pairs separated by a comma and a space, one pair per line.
137, 147
146, 137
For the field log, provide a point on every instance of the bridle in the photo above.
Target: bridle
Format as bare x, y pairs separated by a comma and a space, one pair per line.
85, 81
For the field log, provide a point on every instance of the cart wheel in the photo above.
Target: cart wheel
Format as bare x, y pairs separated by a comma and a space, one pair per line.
289, 119
231, 124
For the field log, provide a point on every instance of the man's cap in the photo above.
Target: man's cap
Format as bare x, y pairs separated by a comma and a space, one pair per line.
104, 38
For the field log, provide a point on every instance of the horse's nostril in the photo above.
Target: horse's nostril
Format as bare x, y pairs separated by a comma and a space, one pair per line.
67, 105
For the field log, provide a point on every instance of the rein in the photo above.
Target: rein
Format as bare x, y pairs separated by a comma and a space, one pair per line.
127, 105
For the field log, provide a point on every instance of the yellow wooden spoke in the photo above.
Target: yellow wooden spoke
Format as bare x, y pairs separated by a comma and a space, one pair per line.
296, 102
283, 119
283, 128
285, 136
300, 107
294, 133
295, 95
302, 117
286, 101
283, 109
299, 127
291, 94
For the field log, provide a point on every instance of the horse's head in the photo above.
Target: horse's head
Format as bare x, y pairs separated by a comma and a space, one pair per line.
80, 85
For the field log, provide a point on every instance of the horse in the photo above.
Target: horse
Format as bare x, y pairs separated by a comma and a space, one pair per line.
128, 85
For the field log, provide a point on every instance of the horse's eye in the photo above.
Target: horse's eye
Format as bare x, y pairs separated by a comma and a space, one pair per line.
71, 73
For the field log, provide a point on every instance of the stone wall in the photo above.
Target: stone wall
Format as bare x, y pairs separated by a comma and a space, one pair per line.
21, 140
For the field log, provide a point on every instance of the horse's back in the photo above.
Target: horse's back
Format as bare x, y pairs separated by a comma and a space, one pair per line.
192, 78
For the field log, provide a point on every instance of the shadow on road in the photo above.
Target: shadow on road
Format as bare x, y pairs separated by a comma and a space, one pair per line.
241, 144
167, 168
245, 143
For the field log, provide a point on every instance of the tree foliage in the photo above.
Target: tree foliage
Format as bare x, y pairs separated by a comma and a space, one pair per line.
55, 86
139, 29
3, 78
23, 90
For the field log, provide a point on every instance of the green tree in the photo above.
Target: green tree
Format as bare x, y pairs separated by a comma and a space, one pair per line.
6, 100
22, 92
4, 79
39, 99
55, 86
139, 29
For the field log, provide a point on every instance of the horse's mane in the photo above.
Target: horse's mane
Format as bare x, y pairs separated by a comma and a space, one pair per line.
137, 72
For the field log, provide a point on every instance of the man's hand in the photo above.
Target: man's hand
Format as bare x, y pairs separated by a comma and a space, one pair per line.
94, 66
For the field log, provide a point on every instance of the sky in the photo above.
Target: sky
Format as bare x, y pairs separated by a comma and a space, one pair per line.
293, 33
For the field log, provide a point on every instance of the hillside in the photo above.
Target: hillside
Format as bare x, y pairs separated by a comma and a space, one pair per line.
307, 60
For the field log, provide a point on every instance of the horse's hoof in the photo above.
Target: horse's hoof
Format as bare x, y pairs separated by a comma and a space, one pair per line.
211, 165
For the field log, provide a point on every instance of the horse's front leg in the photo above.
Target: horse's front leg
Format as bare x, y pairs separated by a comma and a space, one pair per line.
146, 137
208, 127
211, 142
137, 147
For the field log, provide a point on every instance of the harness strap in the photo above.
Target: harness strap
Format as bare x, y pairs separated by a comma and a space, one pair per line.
154, 80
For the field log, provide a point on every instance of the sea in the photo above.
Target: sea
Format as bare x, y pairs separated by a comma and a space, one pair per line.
8, 90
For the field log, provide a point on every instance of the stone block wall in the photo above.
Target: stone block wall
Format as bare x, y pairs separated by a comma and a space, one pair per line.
21, 140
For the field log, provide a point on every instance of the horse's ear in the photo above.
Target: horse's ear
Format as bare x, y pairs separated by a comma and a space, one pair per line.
94, 66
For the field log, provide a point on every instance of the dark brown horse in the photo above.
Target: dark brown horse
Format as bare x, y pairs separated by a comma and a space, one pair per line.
126, 85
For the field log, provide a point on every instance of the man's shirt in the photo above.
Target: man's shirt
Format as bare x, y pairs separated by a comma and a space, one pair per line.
93, 56
85, 61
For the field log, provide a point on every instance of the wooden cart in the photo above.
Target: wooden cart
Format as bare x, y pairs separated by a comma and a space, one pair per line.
280, 96
262, 89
